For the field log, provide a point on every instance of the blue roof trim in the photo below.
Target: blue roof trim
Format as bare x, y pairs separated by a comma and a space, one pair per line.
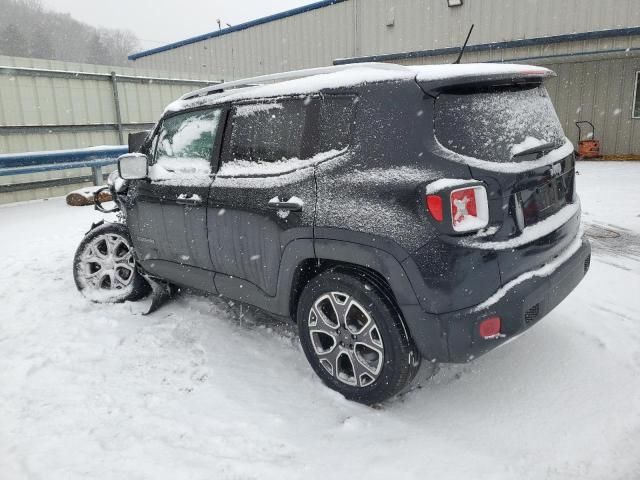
566, 55
527, 42
236, 28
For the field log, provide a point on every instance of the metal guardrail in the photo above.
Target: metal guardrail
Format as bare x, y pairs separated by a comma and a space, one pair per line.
34, 162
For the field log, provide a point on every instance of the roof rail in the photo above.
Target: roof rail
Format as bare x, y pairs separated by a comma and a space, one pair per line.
292, 75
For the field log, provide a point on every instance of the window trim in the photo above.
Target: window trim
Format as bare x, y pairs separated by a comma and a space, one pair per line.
636, 114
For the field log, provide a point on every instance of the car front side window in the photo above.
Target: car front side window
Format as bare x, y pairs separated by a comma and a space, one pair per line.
185, 145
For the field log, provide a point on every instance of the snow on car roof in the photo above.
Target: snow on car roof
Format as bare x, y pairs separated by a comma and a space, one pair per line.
299, 86
337, 77
425, 73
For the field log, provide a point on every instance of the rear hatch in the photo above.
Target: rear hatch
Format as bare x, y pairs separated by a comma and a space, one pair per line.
505, 128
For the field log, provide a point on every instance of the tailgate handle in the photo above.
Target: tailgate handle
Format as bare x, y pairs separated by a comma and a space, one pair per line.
294, 204
189, 199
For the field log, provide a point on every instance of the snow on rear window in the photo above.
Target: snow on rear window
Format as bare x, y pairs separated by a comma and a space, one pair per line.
496, 123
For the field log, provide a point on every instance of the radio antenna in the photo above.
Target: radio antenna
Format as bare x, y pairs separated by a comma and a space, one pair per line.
464, 46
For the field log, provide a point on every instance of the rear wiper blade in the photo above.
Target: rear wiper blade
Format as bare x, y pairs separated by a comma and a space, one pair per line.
544, 147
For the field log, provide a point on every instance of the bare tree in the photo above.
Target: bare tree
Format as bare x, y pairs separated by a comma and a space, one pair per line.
27, 29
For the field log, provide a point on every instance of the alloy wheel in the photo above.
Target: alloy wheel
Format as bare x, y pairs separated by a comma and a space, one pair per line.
346, 339
107, 263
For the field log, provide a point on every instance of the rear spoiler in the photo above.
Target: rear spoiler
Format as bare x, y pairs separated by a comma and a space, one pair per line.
433, 78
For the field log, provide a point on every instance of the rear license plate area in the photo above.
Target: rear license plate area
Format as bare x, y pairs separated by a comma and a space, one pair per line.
544, 200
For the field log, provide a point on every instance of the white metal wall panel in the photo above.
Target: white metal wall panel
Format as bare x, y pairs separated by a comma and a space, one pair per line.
310, 39
319, 36
42, 101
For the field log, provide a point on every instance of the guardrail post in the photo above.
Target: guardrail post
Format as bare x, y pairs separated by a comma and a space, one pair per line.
116, 101
96, 173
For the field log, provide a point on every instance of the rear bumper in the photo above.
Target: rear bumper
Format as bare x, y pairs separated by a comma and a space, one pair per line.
454, 337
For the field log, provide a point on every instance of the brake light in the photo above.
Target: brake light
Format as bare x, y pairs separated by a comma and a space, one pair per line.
434, 206
490, 327
469, 209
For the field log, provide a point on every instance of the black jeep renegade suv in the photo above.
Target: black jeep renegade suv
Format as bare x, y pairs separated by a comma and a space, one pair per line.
396, 213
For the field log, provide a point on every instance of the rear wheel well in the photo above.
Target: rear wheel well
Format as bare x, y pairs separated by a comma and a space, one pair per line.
311, 267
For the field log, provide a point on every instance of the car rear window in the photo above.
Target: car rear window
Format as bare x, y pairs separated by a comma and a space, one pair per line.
497, 124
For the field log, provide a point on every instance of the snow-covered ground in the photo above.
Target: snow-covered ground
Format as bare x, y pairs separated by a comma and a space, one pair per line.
203, 390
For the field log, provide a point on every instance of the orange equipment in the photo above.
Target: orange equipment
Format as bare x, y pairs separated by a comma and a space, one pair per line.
588, 148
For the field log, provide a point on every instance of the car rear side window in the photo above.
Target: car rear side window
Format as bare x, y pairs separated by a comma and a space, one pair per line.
269, 132
497, 124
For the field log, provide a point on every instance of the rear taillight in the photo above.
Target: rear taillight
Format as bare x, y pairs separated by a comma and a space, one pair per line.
458, 205
434, 206
469, 208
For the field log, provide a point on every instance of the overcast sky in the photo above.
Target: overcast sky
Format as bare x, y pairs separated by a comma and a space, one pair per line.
158, 22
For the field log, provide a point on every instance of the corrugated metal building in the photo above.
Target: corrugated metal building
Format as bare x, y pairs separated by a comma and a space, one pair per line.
593, 45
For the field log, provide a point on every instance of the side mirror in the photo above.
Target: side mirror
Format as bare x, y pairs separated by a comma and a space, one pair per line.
133, 166
136, 140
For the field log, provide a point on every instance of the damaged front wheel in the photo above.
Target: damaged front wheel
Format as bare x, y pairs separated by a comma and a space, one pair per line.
104, 267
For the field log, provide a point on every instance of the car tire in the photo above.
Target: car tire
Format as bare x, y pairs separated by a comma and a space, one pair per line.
104, 266
354, 338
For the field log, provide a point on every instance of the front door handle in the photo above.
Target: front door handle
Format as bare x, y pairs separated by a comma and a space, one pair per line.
294, 204
189, 199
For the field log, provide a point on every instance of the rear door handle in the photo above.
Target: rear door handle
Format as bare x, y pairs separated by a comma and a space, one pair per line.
294, 204
189, 199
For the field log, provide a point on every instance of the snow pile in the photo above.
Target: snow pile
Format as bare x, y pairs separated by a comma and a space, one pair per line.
527, 144
168, 167
249, 110
446, 183
201, 389
533, 232
246, 168
510, 167
196, 128
193, 172
543, 271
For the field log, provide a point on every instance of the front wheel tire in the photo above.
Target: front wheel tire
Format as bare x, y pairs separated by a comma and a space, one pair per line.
353, 337
104, 267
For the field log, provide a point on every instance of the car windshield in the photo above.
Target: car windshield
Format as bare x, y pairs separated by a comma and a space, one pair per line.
498, 124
